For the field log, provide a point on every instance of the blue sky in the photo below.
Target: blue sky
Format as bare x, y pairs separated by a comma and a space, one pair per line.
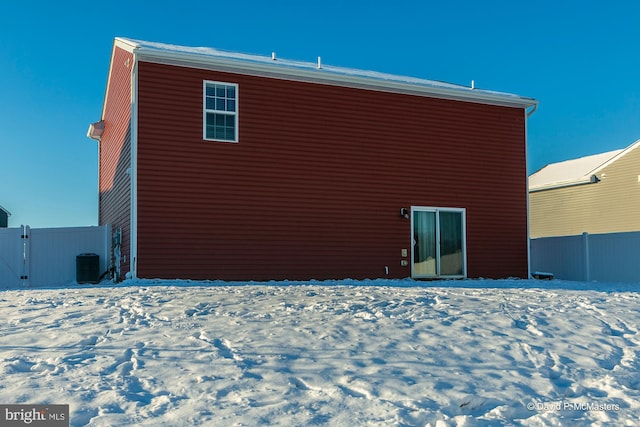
579, 59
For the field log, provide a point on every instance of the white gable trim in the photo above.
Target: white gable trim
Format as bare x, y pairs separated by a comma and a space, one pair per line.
617, 157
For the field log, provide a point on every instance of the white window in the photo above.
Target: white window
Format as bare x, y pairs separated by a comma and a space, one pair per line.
220, 117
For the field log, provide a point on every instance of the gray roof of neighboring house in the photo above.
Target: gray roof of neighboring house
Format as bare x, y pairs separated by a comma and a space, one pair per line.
575, 171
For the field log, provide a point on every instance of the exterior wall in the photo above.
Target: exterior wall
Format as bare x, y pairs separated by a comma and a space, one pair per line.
313, 189
609, 206
115, 153
4, 219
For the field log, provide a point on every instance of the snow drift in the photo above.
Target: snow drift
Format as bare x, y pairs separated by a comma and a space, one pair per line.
473, 352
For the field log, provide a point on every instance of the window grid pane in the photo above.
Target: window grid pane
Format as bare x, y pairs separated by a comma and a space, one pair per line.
221, 98
221, 126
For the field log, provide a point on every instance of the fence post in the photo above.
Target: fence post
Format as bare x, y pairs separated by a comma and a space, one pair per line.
587, 261
26, 256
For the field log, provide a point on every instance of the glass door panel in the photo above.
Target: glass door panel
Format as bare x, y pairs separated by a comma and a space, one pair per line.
424, 243
451, 256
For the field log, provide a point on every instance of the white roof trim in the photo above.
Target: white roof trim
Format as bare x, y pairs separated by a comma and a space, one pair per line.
575, 171
6, 211
209, 58
622, 152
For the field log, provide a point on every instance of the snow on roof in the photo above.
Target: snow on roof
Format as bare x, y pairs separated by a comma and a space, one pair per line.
574, 171
315, 70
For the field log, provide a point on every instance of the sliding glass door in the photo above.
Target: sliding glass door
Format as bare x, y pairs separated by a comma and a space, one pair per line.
438, 242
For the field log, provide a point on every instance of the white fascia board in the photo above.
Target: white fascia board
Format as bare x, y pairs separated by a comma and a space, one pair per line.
106, 90
5, 211
128, 47
307, 72
126, 44
616, 157
564, 184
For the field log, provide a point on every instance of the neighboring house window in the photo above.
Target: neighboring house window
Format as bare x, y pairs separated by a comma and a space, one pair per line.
220, 111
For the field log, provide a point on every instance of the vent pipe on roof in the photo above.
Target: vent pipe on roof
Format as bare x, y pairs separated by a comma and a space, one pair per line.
319, 62
273, 56
473, 84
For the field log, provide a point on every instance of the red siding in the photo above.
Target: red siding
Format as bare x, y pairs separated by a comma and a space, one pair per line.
314, 187
115, 152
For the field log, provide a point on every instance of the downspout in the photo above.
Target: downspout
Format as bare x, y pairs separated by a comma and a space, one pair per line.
528, 114
133, 232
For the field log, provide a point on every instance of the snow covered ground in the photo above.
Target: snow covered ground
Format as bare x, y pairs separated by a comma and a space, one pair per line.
474, 352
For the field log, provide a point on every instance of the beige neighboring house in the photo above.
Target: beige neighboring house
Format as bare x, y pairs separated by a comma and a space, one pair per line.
594, 194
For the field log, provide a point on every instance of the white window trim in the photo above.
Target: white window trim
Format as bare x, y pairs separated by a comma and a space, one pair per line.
205, 111
464, 242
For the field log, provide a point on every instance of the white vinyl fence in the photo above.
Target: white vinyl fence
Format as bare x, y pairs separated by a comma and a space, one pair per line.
47, 256
613, 257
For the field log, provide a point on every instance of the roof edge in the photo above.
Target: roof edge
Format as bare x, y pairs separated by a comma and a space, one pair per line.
127, 44
308, 72
622, 153
116, 43
562, 184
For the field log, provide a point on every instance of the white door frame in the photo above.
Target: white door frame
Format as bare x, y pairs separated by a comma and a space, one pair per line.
437, 211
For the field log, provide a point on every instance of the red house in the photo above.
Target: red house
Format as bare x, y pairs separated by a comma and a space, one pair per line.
218, 165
